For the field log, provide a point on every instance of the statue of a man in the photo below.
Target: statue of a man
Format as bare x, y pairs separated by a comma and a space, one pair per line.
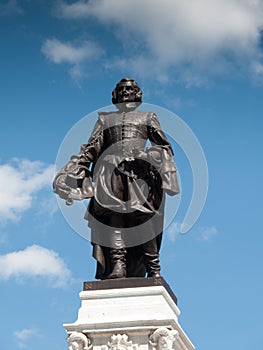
129, 186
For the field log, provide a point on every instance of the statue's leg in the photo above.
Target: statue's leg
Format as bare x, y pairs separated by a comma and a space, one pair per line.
151, 258
116, 222
117, 255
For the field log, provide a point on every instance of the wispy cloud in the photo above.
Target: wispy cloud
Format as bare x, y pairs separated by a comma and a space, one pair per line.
11, 7
35, 261
58, 51
173, 231
77, 56
48, 206
75, 10
203, 233
21, 180
23, 335
208, 233
184, 36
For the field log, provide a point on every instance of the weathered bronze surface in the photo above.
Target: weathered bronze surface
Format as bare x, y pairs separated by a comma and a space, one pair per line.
127, 198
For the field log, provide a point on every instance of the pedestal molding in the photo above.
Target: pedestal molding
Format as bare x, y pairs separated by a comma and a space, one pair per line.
130, 292
130, 316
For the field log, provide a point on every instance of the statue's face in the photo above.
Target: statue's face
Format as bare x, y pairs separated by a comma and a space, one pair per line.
125, 92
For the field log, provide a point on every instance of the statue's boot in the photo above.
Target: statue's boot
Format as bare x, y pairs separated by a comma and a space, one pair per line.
152, 265
151, 258
117, 256
118, 260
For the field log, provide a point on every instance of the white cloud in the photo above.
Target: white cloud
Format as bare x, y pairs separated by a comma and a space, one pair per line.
48, 207
21, 180
23, 335
58, 51
173, 231
208, 233
204, 233
65, 52
76, 10
184, 35
34, 261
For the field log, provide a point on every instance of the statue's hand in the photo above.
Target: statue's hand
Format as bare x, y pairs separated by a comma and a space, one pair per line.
61, 188
73, 182
83, 188
72, 187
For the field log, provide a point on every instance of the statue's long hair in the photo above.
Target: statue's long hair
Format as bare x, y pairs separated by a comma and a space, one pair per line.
138, 97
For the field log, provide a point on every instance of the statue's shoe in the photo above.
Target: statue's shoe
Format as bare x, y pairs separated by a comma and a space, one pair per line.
154, 274
119, 271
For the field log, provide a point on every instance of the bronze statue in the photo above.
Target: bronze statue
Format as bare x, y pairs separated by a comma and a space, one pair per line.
129, 185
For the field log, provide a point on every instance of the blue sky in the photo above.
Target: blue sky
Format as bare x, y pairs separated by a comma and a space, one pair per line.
60, 61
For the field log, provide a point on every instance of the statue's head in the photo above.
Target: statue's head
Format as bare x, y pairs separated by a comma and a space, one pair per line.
127, 92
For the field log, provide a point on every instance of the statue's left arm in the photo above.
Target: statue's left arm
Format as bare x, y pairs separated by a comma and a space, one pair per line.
73, 181
162, 153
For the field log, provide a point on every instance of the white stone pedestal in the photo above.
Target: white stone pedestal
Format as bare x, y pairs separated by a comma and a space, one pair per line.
127, 314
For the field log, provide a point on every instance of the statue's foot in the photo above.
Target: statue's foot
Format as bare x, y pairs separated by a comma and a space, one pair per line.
153, 274
119, 270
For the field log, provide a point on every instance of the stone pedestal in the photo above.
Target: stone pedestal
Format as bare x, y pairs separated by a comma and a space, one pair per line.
127, 314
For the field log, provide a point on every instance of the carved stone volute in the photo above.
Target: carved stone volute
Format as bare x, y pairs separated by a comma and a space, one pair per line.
78, 341
163, 339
